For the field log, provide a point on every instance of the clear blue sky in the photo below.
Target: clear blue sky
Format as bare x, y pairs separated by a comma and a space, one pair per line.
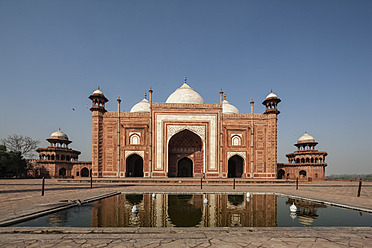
316, 55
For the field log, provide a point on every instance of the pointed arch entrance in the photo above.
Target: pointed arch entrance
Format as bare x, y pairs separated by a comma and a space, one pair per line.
281, 174
185, 155
62, 172
235, 167
134, 166
84, 172
302, 174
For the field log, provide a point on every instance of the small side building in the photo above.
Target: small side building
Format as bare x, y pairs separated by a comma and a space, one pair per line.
59, 161
306, 163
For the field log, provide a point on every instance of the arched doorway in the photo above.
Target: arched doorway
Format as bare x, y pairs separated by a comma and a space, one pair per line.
183, 210
302, 174
185, 167
134, 166
281, 174
84, 172
235, 167
62, 172
189, 147
235, 200
134, 199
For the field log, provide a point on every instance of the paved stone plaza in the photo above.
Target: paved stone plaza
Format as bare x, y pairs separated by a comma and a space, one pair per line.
23, 197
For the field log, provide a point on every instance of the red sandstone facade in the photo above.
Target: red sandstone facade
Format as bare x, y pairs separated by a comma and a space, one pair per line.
59, 161
306, 163
184, 137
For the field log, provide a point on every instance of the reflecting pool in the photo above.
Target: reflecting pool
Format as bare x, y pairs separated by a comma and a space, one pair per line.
189, 210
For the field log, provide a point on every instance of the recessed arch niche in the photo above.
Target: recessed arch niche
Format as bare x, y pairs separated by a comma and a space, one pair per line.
183, 148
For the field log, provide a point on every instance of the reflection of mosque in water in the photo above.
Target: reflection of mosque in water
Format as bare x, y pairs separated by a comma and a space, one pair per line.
186, 210
306, 210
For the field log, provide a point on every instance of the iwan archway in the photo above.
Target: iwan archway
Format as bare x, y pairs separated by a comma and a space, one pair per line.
185, 155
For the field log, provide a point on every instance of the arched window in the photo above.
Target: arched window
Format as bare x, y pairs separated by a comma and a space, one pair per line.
135, 139
312, 160
302, 160
316, 160
52, 157
298, 161
236, 140
307, 160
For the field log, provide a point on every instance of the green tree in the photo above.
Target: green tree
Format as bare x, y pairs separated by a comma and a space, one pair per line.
11, 163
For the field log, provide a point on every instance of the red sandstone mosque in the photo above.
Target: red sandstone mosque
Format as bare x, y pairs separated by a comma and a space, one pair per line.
183, 137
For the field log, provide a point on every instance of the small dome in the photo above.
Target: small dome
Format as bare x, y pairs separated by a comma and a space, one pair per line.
306, 138
97, 91
271, 95
141, 107
185, 94
228, 108
59, 135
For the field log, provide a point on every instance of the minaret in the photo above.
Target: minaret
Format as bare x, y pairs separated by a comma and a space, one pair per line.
252, 102
271, 103
221, 94
119, 148
98, 101
98, 110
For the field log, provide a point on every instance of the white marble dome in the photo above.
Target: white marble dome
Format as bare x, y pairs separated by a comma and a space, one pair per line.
97, 91
185, 94
306, 138
59, 135
271, 95
228, 108
141, 107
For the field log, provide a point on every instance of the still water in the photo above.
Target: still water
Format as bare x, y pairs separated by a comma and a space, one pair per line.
222, 210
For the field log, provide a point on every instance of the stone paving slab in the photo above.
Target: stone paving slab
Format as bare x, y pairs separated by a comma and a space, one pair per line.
188, 237
23, 197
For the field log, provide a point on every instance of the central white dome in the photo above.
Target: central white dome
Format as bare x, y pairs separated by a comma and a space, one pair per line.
185, 94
